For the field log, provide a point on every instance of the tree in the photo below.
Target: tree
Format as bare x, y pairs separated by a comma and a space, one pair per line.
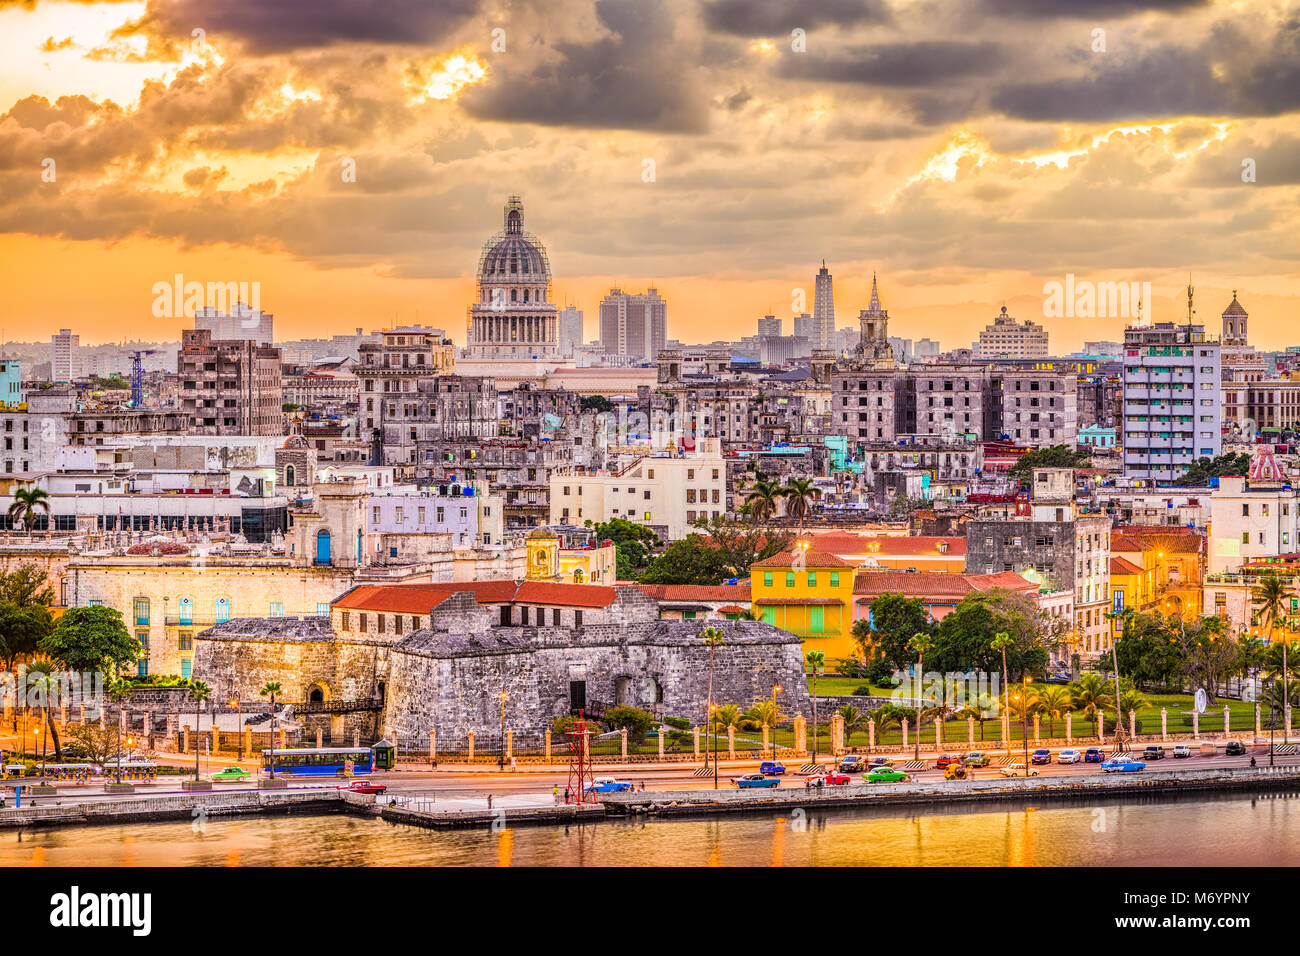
692, 560
816, 664
199, 692
633, 544
1091, 694
1056, 703
800, 496
1200, 472
118, 691
1271, 594
1057, 456
91, 741
595, 403
1148, 650
763, 712
726, 717
895, 619
271, 688
762, 497
741, 543
919, 644
27, 502
42, 680
1001, 641
25, 597
853, 719
92, 638
634, 720
26, 585
713, 637
985, 707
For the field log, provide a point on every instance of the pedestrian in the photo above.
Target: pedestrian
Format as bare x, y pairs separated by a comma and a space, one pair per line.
568, 794
489, 801
555, 793
1252, 761
512, 764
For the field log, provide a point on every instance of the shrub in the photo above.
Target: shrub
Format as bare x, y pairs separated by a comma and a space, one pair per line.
880, 673
848, 667
862, 690
632, 719
680, 723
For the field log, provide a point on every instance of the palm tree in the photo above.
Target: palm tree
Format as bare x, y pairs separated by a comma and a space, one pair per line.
920, 643
853, 719
1131, 700
27, 501
799, 495
762, 497
272, 688
816, 663
711, 636
40, 678
1271, 595
1055, 702
727, 716
200, 692
765, 712
1090, 693
118, 691
1001, 641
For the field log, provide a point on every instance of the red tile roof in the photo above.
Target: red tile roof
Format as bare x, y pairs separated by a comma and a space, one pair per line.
422, 598
696, 592
808, 559
1172, 544
815, 602
847, 542
1123, 566
935, 584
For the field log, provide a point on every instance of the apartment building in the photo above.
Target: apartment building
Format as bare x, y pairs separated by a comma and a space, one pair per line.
229, 386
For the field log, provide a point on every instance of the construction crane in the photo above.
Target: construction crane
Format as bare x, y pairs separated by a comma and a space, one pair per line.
137, 376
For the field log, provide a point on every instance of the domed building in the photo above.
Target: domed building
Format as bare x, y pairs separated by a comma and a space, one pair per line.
513, 315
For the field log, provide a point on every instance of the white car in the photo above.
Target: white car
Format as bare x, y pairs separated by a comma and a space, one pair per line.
1182, 750
1017, 770
1069, 756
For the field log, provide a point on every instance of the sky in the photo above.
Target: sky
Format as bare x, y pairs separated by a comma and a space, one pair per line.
352, 156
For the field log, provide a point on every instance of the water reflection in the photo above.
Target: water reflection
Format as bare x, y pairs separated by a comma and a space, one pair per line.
1229, 830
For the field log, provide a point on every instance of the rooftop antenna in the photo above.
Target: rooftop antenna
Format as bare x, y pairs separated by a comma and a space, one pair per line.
1190, 310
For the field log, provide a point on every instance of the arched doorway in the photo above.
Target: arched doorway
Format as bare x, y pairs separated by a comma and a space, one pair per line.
290, 474
316, 694
322, 547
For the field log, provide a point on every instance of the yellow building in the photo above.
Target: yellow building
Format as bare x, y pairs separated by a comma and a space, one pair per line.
1132, 588
547, 561
1176, 556
808, 593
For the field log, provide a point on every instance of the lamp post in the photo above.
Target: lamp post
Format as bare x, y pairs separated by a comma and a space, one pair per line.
1024, 723
713, 732
776, 689
501, 757
239, 724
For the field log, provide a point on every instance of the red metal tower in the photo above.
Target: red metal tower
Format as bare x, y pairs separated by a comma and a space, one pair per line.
580, 773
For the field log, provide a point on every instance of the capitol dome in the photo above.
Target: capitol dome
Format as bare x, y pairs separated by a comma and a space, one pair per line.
513, 253
513, 315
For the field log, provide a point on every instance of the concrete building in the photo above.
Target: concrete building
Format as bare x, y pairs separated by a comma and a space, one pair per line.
668, 492
769, 325
1056, 545
570, 319
1172, 393
1006, 337
229, 386
65, 356
633, 324
244, 322
823, 315
11, 383
1252, 519
1040, 409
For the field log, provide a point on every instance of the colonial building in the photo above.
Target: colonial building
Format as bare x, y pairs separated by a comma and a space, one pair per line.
513, 315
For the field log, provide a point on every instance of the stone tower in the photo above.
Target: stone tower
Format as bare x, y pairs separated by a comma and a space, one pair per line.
873, 342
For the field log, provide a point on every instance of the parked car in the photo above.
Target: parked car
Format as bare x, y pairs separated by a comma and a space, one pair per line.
756, 780
231, 775
1153, 752
1182, 750
954, 771
1122, 766
1057, 679
1235, 748
945, 760
977, 758
1094, 755
610, 785
850, 763
771, 767
1017, 770
885, 775
880, 761
832, 779
1069, 756
1041, 756
363, 786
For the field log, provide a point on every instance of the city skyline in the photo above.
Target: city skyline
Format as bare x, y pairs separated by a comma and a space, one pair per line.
260, 152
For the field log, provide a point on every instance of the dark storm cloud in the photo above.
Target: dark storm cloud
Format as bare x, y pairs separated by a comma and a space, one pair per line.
765, 18
625, 81
896, 64
281, 25
1085, 9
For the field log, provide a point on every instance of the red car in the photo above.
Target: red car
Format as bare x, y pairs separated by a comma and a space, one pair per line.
365, 786
832, 779
946, 760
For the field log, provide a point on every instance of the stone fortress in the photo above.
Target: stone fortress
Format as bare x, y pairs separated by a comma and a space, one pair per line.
405, 660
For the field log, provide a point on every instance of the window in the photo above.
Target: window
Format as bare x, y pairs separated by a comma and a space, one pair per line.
789, 579
185, 640
186, 665
277, 609
812, 579
835, 579
186, 608
817, 620
142, 610
767, 579
322, 609
223, 609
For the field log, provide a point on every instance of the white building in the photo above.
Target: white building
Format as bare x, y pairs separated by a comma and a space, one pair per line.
570, 330
1007, 337
1251, 519
65, 356
633, 324
666, 491
244, 322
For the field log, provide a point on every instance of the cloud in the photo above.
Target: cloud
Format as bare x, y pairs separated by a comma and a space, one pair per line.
767, 18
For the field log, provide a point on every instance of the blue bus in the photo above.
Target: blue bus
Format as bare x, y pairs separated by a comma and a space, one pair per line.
319, 762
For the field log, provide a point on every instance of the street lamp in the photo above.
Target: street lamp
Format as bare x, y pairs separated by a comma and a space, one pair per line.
501, 757
713, 731
776, 689
239, 724
1024, 730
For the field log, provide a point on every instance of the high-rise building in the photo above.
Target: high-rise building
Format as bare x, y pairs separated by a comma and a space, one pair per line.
633, 324
1008, 338
769, 325
823, 324
513, 315
243, 322
231, 387
570, 329
1172, 385
65, 356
